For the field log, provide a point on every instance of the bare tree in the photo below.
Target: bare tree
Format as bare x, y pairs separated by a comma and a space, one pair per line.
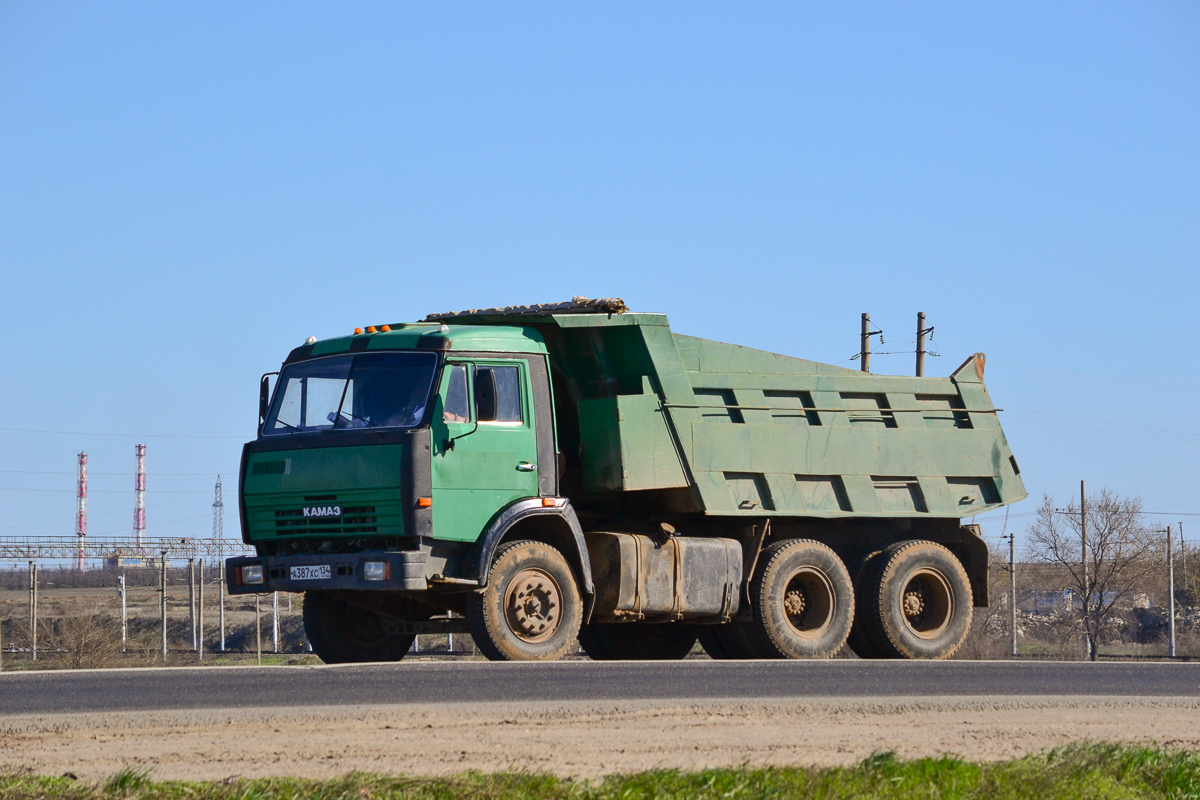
1121, 553
88, 640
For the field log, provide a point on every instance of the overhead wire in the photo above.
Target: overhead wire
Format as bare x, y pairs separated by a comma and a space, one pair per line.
1094, 377
116, 474
104, 491
125, 435
1100, 430
94, 514
1103, 421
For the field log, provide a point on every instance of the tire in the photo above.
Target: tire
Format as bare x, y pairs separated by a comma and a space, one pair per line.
341, 633
530, 609
919, 602
803, 601
860, 640
727, 641
633, 641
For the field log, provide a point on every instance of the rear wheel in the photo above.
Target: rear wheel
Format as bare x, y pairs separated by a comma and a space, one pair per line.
919, 602
341, 633
632, 641
530, 609
803, 601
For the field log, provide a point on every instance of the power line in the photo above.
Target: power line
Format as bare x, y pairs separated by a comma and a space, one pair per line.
1101, 430
117, 474
1094, 377
157, 524
1085, 419
105, 491
100, 514
125, 435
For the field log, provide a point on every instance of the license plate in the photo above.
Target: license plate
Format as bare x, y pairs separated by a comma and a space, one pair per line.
318, 572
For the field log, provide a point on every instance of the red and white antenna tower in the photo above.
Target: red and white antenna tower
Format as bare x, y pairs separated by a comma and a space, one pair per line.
81, 511
139, 493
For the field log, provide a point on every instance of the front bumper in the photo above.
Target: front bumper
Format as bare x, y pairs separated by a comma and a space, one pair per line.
405, 571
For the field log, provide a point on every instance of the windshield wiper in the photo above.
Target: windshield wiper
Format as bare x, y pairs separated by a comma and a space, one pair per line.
284, 424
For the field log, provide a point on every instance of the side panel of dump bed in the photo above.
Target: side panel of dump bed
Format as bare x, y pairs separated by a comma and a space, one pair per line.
788, 436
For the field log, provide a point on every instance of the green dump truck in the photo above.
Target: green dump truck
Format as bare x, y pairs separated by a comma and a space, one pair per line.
539, 475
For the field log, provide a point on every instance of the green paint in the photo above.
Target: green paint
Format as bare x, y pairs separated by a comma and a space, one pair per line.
478, 476
364, 480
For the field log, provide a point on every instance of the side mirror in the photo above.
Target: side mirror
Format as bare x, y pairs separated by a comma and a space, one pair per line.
485, 395
264, 398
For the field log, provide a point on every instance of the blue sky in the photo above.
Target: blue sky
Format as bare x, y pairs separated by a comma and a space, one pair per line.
189, 190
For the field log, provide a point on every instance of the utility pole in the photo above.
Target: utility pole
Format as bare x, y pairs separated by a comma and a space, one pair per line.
124, 618
1012, 593
1170, 595
864, 348
192, 598
162, 599
33, 581
200, 616
1089, 646
921, 344
221, 598
258, 628
274, 622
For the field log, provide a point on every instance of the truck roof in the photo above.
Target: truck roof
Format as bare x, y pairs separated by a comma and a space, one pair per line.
512, 329
429, 335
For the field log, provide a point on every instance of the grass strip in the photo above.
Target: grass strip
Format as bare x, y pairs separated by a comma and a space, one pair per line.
1077, 771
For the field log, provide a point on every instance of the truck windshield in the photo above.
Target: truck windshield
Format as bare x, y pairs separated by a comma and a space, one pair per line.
365, 390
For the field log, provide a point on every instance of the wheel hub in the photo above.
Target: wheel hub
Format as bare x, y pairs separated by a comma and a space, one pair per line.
808, 602
794, 603
532, 605
927, 603
914, 604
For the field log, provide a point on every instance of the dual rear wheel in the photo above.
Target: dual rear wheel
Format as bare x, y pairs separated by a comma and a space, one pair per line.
910, 600
914, 601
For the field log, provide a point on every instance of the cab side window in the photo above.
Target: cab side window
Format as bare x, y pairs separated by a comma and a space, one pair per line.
498, 394
457, 407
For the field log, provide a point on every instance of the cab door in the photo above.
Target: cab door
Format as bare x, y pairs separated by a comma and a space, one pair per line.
484, 444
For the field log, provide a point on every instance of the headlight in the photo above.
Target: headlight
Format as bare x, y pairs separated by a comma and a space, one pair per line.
251, 574
375, 571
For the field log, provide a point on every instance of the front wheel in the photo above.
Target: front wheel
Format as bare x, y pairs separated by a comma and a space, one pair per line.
530, 609
341, 633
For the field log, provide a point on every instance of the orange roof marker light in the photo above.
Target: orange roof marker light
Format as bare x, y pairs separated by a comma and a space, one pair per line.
386, 328
357, 331
370, 329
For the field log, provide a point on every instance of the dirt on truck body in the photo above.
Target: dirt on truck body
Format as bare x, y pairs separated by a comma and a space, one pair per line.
540, 473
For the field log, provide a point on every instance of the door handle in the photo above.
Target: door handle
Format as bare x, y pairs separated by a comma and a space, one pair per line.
525, 466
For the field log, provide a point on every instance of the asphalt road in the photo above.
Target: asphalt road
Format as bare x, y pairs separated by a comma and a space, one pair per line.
480, 682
